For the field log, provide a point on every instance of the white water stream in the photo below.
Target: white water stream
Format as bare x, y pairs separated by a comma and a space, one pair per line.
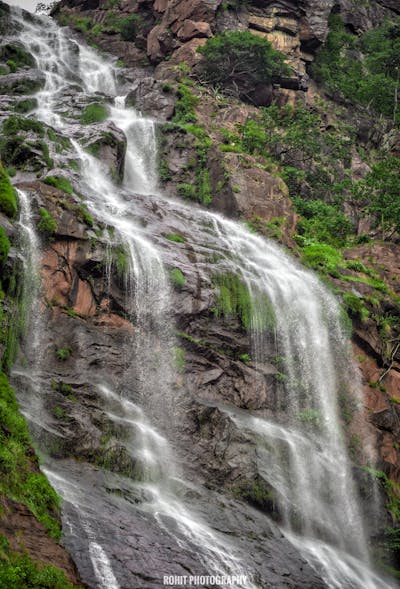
303, 454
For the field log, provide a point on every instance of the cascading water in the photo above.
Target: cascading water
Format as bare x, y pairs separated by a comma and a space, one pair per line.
147, 290
301, 451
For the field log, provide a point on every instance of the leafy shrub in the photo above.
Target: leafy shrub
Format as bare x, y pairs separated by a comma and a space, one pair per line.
382, 185
94, 113
371, 75
128, 27
323, 222
47, 225
322, 257
59, 182
8, 195
238, 61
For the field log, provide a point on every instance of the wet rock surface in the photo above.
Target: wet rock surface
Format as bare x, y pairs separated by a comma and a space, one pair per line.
85, 310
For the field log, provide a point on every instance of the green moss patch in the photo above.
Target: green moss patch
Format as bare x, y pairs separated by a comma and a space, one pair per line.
20, 479
59, 182
47, 225
94, 113
234, 299
8, 195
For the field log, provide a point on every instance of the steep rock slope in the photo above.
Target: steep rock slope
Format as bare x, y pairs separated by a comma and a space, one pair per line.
88, 319
243, 182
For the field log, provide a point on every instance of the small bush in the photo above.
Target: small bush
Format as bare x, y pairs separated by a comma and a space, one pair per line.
128, 27
8, 195
58, 182
238, 61
63, 354
177, 278
323, 222
187, 191
94, 113
47, 225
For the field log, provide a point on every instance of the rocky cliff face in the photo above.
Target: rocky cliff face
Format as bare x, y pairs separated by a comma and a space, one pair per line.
89, 328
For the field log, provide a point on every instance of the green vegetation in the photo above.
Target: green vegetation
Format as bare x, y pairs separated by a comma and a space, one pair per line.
364, 69
174, 237
238, 61
16, 57
17, 571
14, 124
4, 246
47, 225
59, 182
84, 214
128, 27
8, 195
310, 416
234, 299
185, 106
180, 362
378, 193
322, 222
256, 493
355, 305
177, 278
26, 105
322, 257
94, 113
20, 478
121, 261
63, 353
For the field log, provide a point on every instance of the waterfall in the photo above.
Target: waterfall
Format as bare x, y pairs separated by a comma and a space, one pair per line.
147, 293
301, 450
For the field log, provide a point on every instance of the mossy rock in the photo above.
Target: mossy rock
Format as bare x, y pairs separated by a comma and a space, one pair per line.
18, 84
17, 55
60, 183
8, 195
17, 152
4, 246
94, 113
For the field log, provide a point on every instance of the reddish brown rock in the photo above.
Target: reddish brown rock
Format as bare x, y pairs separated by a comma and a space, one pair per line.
196, 10
159, 42
188, 53
26, 534
192, 29
160, 5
